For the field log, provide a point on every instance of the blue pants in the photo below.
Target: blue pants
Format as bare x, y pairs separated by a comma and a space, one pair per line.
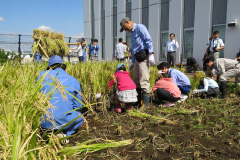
185, 89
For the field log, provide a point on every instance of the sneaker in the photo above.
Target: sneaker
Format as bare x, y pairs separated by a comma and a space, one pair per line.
118, 110
168, 104
62, 135
183, 97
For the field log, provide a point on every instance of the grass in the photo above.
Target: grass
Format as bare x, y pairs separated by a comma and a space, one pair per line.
141, 135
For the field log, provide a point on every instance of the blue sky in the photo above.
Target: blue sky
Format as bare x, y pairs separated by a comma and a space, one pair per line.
22, 16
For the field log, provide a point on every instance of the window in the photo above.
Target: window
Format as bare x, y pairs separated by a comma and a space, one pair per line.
219, 12
92, 19
103, 48
92, 6
145, 12
188, 25
114, 2
102, 4
188, 43
222, 31
164, 26
164, 40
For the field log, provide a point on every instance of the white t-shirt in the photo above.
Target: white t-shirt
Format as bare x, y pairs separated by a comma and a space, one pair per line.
79, 50
119, 50
216, 42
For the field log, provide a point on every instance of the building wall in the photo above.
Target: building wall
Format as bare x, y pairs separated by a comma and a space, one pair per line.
202, 25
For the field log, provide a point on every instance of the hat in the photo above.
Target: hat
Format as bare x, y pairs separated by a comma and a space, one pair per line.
124, 20
83, 39
80, 40
120, 65
54, 60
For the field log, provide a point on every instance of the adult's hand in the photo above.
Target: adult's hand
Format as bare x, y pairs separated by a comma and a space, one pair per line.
151, 59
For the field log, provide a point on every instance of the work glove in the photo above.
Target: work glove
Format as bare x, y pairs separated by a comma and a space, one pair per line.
151, 59
98, 95
194, 91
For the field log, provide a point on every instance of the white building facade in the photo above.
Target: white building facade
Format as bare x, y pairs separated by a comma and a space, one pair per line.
192, 21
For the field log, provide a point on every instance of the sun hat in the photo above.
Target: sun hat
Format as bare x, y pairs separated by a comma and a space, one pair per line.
120, 65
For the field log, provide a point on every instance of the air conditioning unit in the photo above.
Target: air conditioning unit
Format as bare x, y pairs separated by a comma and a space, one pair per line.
232, 24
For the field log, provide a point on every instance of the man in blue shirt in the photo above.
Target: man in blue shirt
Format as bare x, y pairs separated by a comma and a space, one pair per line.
61, 87
179, 78
142, 55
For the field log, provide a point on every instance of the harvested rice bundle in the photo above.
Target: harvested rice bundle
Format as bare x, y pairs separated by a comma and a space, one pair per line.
49, 43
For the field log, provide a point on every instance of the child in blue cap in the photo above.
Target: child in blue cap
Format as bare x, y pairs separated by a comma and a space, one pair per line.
126, 88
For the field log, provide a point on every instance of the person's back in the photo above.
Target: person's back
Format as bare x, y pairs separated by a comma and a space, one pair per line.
120, 49
124, 81
223, 64
169, 85
179, 78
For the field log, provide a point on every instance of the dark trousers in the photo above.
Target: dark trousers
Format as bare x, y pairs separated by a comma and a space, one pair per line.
165, 95
171, 58
212, 92
185, 89
120, 60
80, 58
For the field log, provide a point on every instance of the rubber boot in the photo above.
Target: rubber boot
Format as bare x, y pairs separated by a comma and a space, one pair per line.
223, 89
146, 100
139, 97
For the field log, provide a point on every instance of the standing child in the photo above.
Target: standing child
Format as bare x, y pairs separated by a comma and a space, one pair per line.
126, 88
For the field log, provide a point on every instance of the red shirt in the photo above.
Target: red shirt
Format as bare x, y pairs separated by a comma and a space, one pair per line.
168, 85
123, 80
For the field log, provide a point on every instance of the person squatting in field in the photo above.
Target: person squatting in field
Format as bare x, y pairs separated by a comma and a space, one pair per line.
126, 88
142, 56
226, 69
207, 86
65, 106
166, 90
179, 78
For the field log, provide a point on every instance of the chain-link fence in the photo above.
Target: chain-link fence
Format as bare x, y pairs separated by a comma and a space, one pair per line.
23, 43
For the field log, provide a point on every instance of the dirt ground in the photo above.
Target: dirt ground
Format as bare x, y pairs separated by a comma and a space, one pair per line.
204, 129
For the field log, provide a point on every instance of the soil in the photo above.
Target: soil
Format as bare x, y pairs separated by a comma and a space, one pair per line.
205, 129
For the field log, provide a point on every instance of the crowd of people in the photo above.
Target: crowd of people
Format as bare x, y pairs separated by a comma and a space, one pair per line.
171, 86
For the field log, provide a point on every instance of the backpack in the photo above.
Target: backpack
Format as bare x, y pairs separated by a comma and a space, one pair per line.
191, 61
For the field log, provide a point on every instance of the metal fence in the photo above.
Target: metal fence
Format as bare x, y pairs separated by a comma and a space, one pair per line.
23, 43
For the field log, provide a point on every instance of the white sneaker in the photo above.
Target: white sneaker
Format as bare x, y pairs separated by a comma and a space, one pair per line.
62, 135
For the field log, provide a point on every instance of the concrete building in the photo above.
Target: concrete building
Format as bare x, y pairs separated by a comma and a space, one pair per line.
192, 21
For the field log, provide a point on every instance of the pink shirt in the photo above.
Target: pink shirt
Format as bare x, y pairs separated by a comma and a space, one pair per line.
123, 80
168, 85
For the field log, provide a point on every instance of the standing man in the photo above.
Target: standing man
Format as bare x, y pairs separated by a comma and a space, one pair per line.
142, 55
226, 69
119, 50
170, 52
215, 46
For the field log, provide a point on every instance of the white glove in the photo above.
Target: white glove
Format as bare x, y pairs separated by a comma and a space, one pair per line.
214, 72
194, 91
131, 66
151, 59
98, 95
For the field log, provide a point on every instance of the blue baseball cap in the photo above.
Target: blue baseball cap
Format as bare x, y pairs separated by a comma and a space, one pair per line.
55, 59
120, 65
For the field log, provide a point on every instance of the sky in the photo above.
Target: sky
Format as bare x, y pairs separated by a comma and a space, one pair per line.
23, 16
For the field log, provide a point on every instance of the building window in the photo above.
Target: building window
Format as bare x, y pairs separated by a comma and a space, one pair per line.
188, 43
103, 27
103, 49
92, 19
219, 14
164, 26
163, 43
129, 15
188, 25
145, 12
114, 2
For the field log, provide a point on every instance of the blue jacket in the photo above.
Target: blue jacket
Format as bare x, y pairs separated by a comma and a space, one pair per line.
179, 78
92, 48
60, 103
